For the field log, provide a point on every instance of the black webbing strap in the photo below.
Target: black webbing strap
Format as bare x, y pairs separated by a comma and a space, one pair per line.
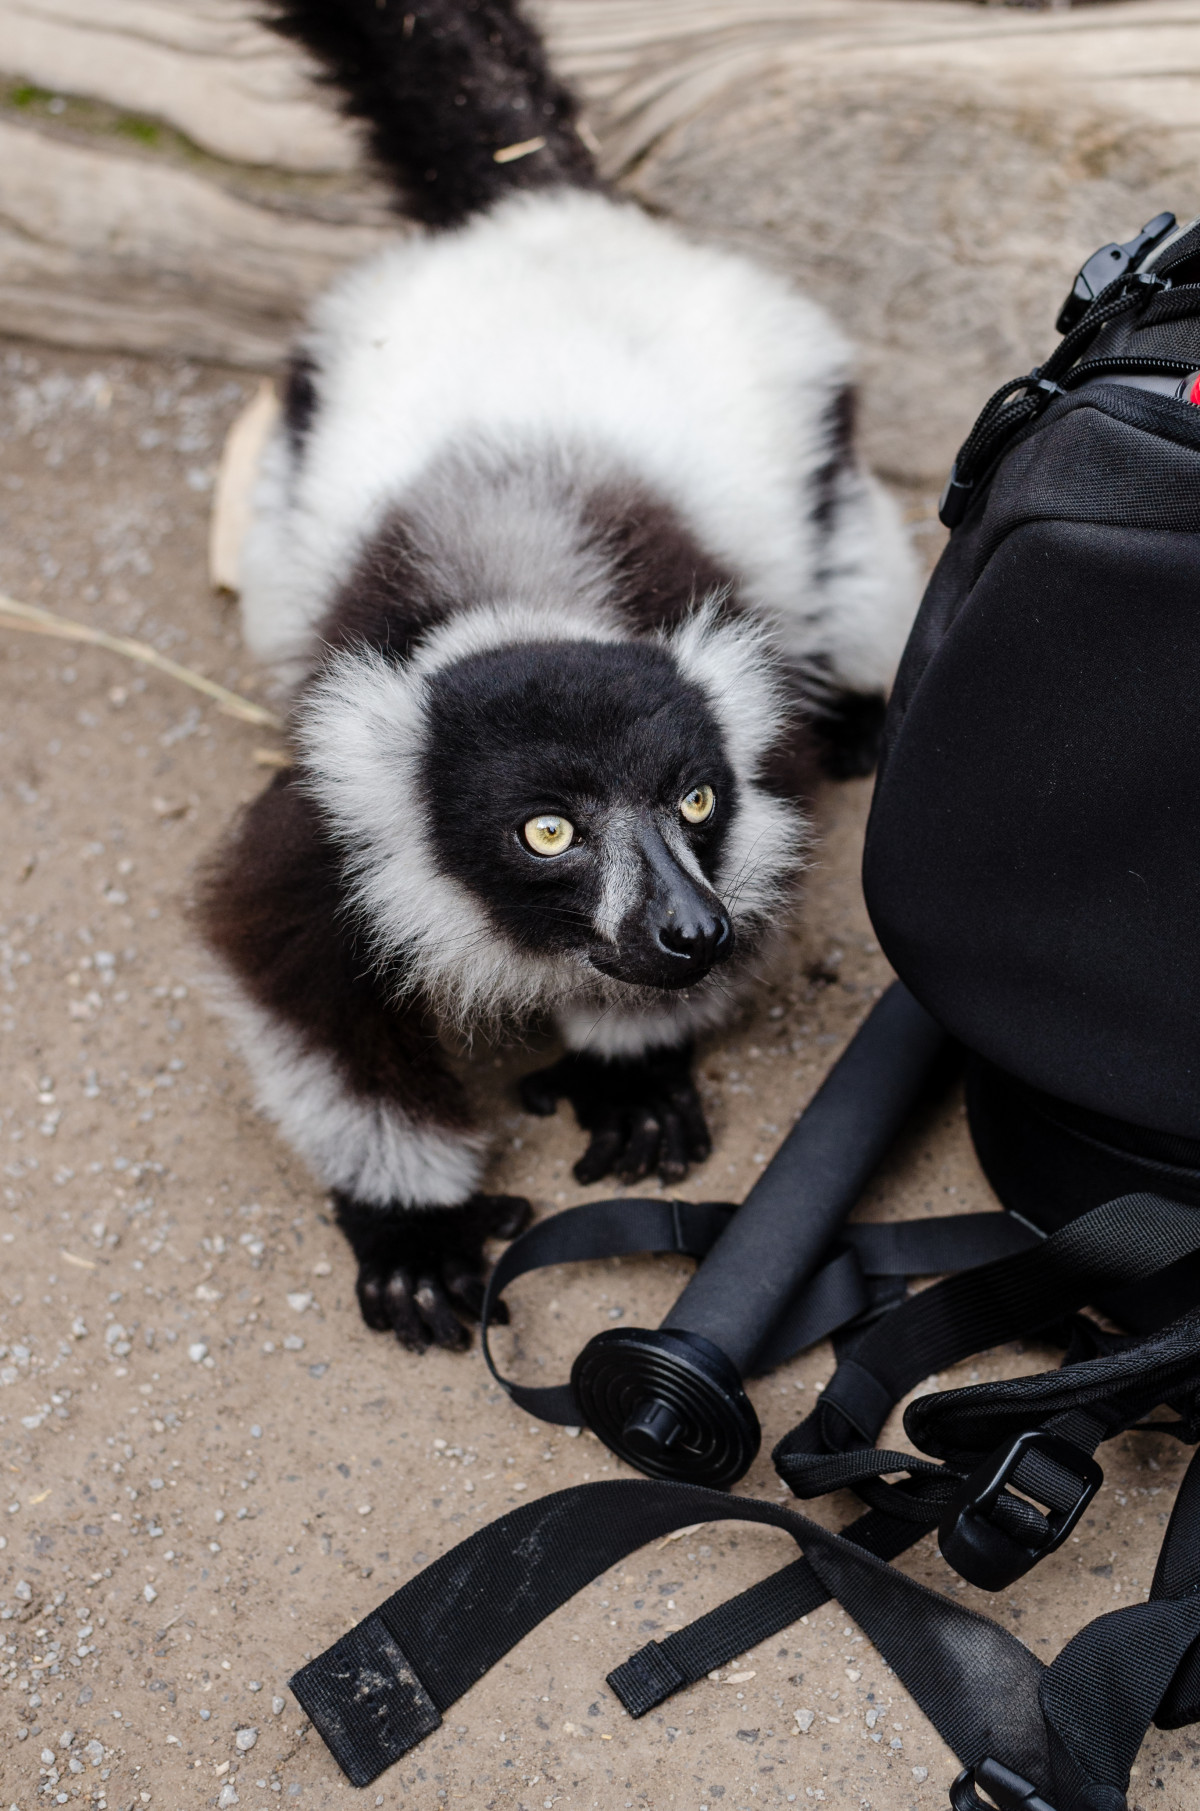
1072, 1729
661, 1668
1122, 1241
1082, 1405
841, 1291
603, 1229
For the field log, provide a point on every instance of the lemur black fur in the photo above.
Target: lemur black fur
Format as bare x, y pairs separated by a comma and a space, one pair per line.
441, 86
563, 553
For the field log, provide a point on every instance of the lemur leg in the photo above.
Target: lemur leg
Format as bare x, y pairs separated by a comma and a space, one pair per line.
354, 1082
643, 1112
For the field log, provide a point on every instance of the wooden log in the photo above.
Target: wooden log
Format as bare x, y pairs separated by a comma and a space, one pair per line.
934, 171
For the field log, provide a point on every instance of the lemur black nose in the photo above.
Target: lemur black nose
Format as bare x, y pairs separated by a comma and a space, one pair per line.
699, 936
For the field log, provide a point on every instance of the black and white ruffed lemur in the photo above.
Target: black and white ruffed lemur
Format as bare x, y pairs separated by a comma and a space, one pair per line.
563, 551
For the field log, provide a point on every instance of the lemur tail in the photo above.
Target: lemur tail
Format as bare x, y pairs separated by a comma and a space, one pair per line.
446, 88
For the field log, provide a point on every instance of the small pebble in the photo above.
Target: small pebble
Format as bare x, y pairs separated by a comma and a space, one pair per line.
205, 1715
805, 1719
245, 1740
149, 1593
277, 1706
197, 1352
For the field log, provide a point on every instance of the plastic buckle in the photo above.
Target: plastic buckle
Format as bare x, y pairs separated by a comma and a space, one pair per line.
1106, 265
1006, 1790
987, 1555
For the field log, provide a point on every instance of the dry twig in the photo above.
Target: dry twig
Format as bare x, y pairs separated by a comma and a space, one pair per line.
36, 621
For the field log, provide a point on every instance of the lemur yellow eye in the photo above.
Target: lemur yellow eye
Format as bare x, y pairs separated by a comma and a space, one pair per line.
549, 835
697, 805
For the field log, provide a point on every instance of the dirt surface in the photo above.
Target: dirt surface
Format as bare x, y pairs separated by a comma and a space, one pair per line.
212, 1469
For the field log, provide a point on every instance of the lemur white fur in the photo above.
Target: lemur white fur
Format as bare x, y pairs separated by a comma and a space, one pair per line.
567, 320
369, 1148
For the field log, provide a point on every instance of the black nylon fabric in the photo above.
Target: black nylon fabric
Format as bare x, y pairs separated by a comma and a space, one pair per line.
1049, 1162
1033, 849
1029, 867
1132, 1237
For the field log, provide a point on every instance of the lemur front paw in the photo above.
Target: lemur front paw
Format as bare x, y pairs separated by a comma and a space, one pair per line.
420, 1268
643, 1112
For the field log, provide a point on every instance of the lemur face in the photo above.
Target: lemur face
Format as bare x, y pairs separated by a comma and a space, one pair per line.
581, 791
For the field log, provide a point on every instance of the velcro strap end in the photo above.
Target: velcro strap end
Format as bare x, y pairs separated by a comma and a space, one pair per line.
646, 1680
365, 1701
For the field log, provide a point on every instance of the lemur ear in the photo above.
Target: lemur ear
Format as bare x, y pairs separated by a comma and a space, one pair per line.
733, 661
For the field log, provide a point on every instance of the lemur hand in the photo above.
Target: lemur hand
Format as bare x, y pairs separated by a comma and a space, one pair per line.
420, 1268
643, 1112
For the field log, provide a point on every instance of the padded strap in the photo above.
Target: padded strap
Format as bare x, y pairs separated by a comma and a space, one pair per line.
387, 1683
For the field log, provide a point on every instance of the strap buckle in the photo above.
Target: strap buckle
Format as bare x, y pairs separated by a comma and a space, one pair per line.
990, 1556
1104, 266
1006, 1789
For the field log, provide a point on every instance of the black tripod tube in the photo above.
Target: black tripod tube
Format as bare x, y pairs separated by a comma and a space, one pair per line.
671, 1401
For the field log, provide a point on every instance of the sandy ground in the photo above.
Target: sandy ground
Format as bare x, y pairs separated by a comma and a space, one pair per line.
212, 1469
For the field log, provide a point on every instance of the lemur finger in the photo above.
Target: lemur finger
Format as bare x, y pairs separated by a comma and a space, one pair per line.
673, 1155
465, 1287
602, 1153
439, 1316
403, 1315
640, 1155
499, 1216
686, 1102
370, 1288
539, 1092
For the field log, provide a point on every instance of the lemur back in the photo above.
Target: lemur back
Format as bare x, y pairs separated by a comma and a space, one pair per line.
564, 554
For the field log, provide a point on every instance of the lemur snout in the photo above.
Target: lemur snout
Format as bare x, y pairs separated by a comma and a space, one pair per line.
699, 939
683, 922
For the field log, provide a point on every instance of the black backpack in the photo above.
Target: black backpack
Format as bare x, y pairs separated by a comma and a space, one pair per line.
1032, 869
1032, 863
